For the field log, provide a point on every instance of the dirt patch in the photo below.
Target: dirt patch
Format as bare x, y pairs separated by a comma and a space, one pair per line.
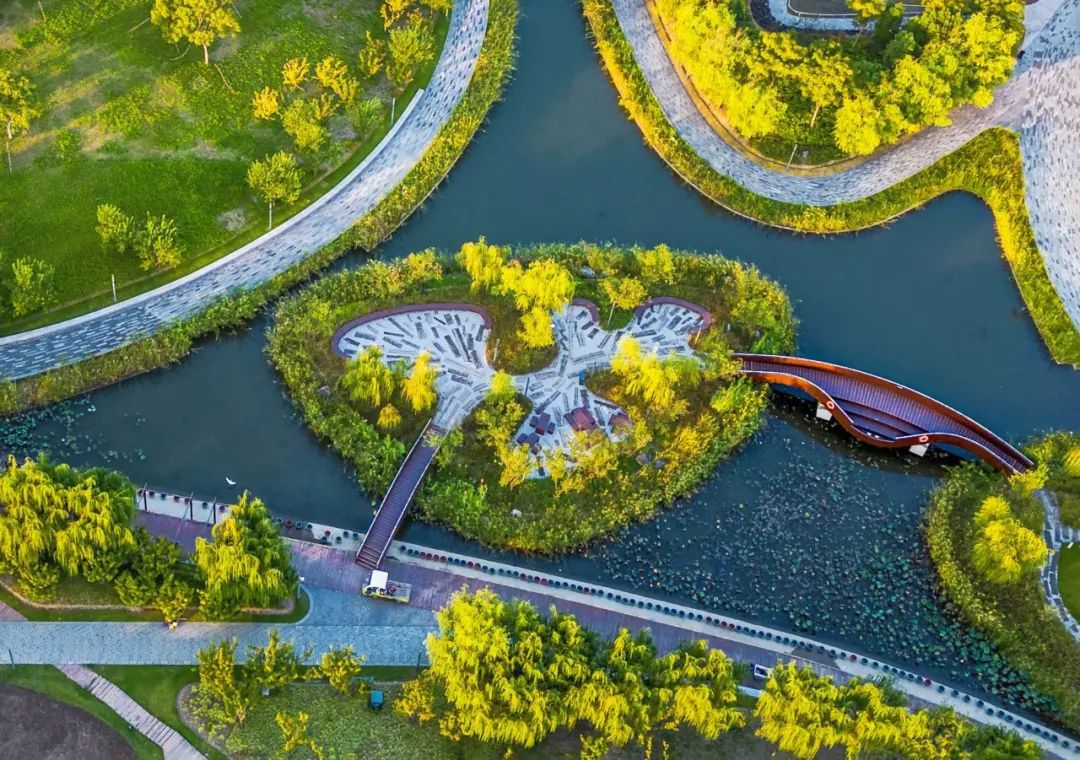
38, 726
233, 220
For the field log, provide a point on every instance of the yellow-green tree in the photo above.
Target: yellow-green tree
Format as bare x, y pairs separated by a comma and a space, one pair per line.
483, 263
536, 330
517, 462
634, 692
656, 266
502, 387
294, 734
224, 693
275, 178
503, 671
1005, 551
17, 107
57, 520
367, 379
245, 564
419, 387
544, 284
623, 293
409, 47
276, 664
389, 417
200, 22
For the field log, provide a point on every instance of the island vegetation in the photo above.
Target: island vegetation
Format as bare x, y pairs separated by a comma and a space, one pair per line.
988, 166
170, 345
985, 537
60, 524
135, 131
841, 95
687, 415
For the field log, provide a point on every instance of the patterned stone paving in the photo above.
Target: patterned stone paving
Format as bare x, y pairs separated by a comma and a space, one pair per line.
1056, 536
1041, 102
455, 335
105, 330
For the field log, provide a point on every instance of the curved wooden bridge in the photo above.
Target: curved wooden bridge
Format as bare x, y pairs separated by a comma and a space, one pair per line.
883, 413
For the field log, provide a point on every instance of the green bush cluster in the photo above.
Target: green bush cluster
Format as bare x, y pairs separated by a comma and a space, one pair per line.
1014, 616
172, 344
465, 490
988, 166
60, 522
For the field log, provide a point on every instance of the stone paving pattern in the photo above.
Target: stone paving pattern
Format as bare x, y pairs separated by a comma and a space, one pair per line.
456, 335
1041, 102
105, 330
1056, 535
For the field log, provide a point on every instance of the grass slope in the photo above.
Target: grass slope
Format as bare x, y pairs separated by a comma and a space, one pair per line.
160, 132
492, 70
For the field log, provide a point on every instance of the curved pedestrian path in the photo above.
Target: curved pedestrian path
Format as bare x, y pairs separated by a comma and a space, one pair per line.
1057, 536
1041, 102
105, 330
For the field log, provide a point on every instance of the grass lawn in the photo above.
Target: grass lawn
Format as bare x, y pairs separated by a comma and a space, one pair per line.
1069, 578
76, 591
156, 689
48, 680
160, 132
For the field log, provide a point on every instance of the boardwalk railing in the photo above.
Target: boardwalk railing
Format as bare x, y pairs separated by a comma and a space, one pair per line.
883, 413
396, 502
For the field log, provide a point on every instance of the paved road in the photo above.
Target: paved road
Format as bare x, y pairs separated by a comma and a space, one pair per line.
1041, 102
105, 330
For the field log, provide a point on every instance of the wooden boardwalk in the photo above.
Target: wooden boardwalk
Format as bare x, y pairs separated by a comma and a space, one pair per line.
883, 413
173, 745
396, 502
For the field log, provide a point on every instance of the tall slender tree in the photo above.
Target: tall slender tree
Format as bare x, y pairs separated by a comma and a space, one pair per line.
200, 22
275, 178
17, 107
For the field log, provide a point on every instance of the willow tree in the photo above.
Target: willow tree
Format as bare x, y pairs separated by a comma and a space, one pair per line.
367, 379
245, 564
419, 387
503, 670
483, 263
56, 520
635, 692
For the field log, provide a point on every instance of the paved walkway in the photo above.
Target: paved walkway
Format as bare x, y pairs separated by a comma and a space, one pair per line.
327, 219
455, 336
1041, 102
173, 745
1056, 536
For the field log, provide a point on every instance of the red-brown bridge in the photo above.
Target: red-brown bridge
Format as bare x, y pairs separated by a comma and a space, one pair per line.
882, 413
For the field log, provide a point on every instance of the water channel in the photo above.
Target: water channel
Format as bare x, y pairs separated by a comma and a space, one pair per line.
802, 529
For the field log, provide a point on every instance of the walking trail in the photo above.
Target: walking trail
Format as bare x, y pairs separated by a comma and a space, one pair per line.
105, 330
1041, 102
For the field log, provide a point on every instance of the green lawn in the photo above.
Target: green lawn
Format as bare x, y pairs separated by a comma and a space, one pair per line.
1069, 578
346, 728
76, 591
48, 680
160, 133
156, 689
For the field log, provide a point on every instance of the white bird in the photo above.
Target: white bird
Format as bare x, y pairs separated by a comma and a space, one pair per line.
230, 481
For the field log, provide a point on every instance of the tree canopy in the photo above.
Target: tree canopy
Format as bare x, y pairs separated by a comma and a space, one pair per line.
849, 95
199, 22
245, 564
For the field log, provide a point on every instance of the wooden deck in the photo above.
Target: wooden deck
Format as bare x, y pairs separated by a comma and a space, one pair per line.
883, 413
396, 502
